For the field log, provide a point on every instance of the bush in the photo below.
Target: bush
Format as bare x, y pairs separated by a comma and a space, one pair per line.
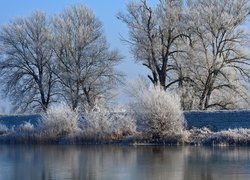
157, 112
59, 121
27, 126
197, 135
3, 129
104, 123
204, 136
239, 136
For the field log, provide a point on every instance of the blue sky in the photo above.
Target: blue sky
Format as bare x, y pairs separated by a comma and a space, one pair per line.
105, 10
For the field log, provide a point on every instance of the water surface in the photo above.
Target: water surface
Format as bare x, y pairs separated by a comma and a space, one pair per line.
35, 162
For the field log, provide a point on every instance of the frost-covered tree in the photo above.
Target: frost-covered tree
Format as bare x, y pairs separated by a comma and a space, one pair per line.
220, 59
26, 62
155, 36
85, 64
201, 53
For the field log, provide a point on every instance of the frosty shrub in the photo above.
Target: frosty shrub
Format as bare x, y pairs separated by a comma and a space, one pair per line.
59, 121
102, 122
25, 127
3, 129
239, 136
157, 112
197, 135
22, 133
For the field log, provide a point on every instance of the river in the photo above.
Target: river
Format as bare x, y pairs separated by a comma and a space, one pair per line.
38, 162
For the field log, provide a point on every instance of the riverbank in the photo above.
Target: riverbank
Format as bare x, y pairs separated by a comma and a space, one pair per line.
67, 127
196, 137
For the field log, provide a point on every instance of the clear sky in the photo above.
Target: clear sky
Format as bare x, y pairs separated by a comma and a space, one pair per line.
105, 10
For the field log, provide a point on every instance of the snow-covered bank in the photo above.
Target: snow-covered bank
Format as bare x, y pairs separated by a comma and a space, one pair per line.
152, 121
26, 134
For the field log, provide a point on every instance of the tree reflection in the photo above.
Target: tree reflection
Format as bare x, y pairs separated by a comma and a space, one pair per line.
122, 162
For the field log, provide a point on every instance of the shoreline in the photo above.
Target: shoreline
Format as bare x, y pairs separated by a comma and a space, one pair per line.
131, 141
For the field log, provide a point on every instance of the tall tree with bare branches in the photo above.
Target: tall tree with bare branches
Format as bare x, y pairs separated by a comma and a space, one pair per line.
221, 60
26, 62
85, 64
198, 49
155, 34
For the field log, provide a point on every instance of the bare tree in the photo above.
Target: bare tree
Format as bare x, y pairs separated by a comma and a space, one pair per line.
26, 62
200, 53
155, 37
220, 59
85, 65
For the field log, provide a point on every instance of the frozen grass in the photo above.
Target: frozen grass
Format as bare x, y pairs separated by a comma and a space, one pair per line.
26, 133
102, 123
239, 136
62, 125
204, 136
196, 135
58, 121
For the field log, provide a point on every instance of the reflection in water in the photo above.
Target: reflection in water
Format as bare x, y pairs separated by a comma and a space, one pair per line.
123, 162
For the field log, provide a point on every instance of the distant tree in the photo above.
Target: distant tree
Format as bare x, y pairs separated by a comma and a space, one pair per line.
85, 65
26, 62
220, 60
156, 38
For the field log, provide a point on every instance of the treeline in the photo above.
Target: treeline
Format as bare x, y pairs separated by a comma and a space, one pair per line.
198, 49
64, 58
